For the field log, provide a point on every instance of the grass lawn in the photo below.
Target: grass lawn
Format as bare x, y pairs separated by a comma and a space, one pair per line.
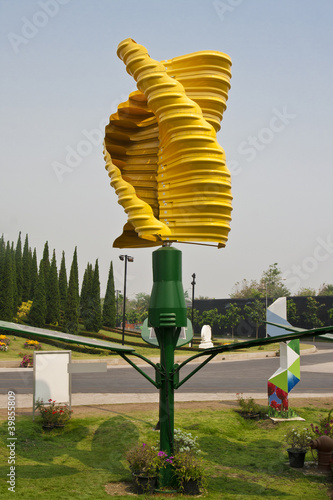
243, 459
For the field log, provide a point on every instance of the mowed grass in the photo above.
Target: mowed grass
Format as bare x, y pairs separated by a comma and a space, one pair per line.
243, 459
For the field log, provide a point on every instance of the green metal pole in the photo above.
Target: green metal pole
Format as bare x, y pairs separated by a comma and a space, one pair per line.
166, 408
167, 314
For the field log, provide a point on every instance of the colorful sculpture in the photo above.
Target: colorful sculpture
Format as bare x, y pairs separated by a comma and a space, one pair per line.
289, 372
161, 152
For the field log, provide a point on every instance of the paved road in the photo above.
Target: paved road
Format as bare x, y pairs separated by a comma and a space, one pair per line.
224, 376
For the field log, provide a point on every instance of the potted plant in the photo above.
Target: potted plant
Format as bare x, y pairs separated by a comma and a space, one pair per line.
145, 462
53, 415
249, 409
298, 441
189, 472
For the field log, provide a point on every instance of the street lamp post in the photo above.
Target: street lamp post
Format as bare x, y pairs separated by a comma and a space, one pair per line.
193, 283
117, 315
129, 259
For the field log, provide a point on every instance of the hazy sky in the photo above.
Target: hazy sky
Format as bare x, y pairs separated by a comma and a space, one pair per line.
61, 79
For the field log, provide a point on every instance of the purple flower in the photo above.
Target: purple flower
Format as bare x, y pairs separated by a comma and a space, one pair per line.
162, 454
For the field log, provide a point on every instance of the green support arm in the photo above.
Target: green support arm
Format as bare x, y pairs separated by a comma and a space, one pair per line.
214, 351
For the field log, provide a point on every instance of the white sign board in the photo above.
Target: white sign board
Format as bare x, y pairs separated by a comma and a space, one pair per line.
51, 377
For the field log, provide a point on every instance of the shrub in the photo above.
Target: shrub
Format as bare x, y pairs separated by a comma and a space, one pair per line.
185, 442
53, 414
325, 427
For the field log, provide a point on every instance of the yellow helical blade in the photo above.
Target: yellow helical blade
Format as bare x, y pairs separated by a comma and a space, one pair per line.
164, 151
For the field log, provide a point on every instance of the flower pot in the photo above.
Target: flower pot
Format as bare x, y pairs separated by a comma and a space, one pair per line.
191, 487
252, 416
48, 427
144, 484
296, 457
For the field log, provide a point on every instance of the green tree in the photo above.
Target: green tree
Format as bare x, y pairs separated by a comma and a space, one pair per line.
142, 302
256, 312
132, 316
91, 302
271, 281
19, 270
86, 297
52, 294
196, 318
96, 300
72, 305
37, 314
109, 305
311, 313
325, 289
232, 317
2, 254
211, 318
26, 271
7, 306
292, 312
306, 292
330, 313
246, 290
76, 271
15, 293
34, 274
46, 261
63, 285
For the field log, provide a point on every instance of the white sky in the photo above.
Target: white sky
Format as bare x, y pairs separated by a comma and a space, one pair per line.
61, 79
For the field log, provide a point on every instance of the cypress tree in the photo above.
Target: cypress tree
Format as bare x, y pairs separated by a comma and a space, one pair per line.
96, 316
63, 284
85, 298
6, 288
15, 294
76, 274
19, 270
109, 306
2, 255
2, 269
33, 275
26, 271
52, 294
37, 314
72, 305
46, 261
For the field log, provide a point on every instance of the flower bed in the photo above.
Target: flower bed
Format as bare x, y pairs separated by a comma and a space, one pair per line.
53, 415
3, 346
27, 361
33, 344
